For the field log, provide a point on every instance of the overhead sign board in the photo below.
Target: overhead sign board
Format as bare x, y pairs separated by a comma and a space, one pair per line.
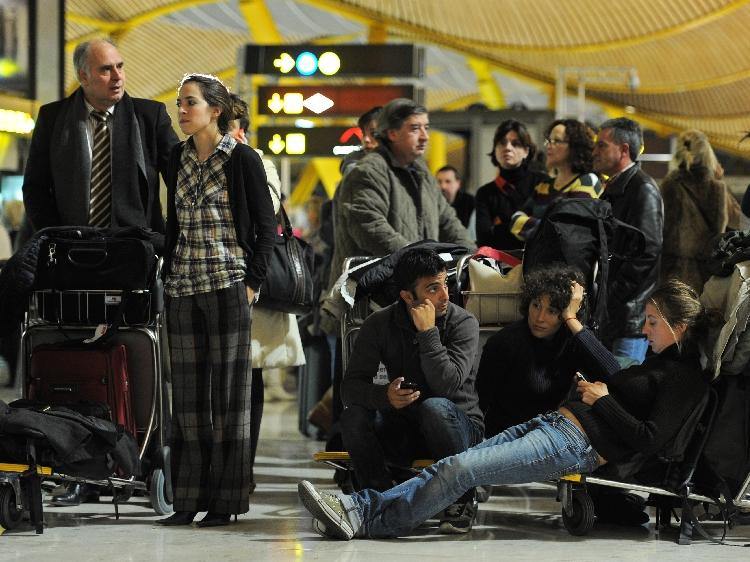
330, 101
316, 141
321, 61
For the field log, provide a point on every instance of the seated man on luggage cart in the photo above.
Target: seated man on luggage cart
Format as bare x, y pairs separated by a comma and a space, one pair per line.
409, 389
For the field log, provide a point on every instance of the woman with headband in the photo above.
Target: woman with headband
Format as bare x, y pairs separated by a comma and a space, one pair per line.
220, 234
617, 414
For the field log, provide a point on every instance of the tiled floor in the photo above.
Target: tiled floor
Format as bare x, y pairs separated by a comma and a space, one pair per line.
518, 523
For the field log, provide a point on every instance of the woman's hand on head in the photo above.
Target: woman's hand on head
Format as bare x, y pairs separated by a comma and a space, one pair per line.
591, 391
576, 300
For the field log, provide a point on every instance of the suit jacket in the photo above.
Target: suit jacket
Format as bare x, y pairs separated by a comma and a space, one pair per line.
57, 179
635, 200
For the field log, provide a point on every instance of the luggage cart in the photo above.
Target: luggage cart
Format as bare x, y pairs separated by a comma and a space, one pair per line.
55, 316
578, 508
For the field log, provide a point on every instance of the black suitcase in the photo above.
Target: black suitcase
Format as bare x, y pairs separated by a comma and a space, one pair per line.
314, 380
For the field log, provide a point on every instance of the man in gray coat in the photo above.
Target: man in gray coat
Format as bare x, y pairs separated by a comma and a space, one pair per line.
390, 199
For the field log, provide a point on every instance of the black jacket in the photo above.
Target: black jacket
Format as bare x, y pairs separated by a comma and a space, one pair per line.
635, 200
56, 181
495, 205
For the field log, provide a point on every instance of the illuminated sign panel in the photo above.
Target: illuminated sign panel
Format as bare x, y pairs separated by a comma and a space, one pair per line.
334, 60
317, 141
329, 101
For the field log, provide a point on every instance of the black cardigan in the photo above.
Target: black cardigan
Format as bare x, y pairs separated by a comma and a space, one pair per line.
252, 210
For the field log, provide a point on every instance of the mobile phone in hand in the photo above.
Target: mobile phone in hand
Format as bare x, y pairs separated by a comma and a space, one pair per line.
408, 385
579, 376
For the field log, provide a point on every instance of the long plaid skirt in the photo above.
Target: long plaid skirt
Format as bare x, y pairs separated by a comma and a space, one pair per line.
209, 342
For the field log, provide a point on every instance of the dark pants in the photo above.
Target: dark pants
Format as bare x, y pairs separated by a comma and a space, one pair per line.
209, 340
434, 428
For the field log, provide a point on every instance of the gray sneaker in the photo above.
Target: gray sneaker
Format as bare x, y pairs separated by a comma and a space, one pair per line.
458, 518
330, 517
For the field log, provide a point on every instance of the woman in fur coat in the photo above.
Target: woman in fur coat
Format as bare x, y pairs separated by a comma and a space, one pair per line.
697, 207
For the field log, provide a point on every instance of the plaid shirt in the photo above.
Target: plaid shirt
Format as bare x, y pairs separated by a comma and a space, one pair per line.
207, 256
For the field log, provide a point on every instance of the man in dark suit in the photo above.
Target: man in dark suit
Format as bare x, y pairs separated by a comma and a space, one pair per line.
98, 145
57, 182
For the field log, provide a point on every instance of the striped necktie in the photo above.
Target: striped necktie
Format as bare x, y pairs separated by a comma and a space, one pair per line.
101, 173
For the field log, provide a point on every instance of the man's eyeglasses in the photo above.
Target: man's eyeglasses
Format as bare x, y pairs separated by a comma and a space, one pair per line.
554, 142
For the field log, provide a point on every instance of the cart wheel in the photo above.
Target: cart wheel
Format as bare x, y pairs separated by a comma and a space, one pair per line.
158, 495
10, 515
580, 519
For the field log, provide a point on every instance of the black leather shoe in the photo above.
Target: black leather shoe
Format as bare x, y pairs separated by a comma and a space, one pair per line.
76, 494
178, 518
215, 520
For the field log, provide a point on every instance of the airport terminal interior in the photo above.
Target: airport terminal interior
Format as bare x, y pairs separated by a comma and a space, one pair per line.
308, 69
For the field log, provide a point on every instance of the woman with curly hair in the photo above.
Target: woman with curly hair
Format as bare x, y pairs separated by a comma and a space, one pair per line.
616, 414
697, 207
527, 367
569, 145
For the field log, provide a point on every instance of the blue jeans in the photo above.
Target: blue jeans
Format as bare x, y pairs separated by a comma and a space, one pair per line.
433, 428
629, 351
543, 448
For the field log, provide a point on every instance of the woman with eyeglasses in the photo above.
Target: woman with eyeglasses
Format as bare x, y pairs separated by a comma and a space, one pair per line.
569, 145
496, 201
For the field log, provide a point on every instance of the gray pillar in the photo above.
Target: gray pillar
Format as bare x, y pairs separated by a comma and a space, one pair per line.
49, 50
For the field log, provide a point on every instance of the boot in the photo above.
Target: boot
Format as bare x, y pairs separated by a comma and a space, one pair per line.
321, 415
75, 494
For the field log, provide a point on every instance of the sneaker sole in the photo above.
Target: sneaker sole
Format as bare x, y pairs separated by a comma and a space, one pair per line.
335, 526
448, 529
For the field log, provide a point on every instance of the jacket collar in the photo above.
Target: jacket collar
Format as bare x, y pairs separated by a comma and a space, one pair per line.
617, 186
417, 166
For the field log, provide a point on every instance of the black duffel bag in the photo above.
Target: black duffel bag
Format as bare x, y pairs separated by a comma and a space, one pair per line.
288, 286
86, 258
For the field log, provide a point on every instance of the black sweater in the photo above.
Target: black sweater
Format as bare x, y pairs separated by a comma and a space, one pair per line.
521, 375
495, 205
646, 405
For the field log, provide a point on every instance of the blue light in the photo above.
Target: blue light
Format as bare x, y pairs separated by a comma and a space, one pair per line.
307, 63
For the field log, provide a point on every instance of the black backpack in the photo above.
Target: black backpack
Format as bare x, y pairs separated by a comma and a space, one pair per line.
578, 232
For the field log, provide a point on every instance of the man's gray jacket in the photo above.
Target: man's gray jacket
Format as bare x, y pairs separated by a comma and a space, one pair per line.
441, 360
381, 206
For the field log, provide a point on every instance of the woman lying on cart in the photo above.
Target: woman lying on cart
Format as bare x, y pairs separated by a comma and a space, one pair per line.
640, 409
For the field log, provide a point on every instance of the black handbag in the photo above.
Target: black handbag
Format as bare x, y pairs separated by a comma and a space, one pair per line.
90, 259
288, 286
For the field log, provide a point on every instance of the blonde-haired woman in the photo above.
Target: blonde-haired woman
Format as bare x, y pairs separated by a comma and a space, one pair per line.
697, 207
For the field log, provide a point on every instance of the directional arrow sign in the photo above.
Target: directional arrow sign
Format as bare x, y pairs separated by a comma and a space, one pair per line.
392, 60
330, 101
285, 63
275, 104
318, 141
276, 144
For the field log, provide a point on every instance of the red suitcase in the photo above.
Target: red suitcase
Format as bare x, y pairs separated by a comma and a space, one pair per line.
65, 374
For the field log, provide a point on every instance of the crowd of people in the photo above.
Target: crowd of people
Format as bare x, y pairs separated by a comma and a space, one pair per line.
417, 385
